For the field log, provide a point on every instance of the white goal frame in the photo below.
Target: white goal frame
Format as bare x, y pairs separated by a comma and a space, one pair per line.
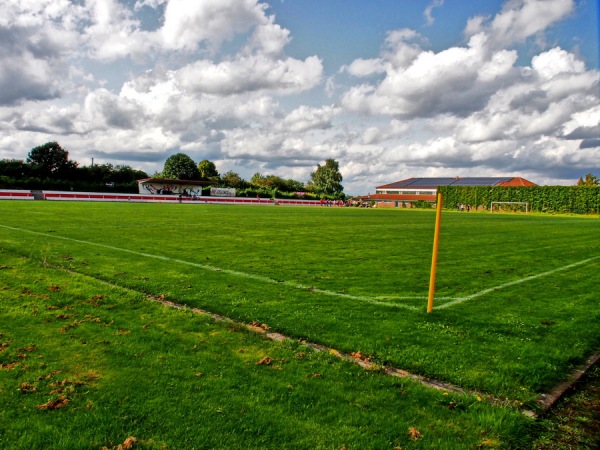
510, 203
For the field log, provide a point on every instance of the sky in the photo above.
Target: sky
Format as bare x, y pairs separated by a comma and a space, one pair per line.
391, 89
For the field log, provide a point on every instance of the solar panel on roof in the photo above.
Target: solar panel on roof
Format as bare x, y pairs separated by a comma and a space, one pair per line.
431, 182
479, 181
434, 182
502, 180
398, 184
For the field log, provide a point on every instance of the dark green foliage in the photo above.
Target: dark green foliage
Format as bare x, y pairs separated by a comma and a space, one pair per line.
551, 199
423, 204
327, 179
50, 159
180, 167
14, 168
208, 170
48, 167
130, 187
233, 180
274, 182
16, 174
273, 193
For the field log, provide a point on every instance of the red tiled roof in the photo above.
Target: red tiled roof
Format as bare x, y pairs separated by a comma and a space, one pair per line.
435, 182
517, 181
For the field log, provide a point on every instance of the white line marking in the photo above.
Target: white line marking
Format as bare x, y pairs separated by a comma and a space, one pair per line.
512, 283
371, 300
379, 300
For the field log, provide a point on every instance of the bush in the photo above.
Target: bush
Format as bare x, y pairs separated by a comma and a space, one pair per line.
423, 204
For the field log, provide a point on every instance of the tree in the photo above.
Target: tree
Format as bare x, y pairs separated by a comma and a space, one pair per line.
327, 179
233, 180
180, 167
208, 170
259, 180
50, 159
291, 185
126, 174
590, 180
105, 173
275, 182
100, 173
14, 168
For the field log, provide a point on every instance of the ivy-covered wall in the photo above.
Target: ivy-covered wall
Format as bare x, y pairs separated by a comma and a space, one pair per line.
553, 199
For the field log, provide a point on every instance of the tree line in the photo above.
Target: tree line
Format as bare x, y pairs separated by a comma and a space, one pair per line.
48, 167
325, 181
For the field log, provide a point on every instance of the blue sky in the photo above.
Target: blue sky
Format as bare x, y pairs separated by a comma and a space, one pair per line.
390, 89
344, 30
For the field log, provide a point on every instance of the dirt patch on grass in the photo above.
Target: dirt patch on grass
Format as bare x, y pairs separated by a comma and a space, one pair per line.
574, 422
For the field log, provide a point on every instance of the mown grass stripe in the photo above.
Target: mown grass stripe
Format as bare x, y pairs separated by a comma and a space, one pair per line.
377, 300
512, 283
225, 271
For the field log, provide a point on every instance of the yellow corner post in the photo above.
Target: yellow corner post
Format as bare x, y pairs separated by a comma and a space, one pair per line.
436, 240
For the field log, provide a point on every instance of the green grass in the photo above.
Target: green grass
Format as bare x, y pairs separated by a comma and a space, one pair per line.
352, 279
122, 366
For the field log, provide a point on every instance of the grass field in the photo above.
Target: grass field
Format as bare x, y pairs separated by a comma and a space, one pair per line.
516, 309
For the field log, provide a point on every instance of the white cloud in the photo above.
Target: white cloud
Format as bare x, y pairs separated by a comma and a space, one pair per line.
519, 20
54, 120
268, 39
114, 33
35, 37
137, 81
429, 11
381, 133
556, 61
458, 80
105, 109
251, 73
304, 118
365, 67
589, 118
149, 3
26, 77
187, 24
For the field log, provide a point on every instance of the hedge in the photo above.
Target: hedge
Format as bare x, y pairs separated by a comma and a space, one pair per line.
65, 185
551, 199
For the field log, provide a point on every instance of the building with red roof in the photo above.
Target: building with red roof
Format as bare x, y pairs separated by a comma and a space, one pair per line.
406, 192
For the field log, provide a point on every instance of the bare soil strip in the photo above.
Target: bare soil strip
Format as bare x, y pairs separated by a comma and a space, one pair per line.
544, 401
547, 401
356, 357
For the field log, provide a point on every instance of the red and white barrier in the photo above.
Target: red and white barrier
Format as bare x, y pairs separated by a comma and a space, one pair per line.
14, 194
105, 197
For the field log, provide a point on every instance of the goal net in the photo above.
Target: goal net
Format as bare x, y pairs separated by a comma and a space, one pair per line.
509, 207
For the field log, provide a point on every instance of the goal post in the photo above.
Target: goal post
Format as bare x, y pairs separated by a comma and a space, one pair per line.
526, 204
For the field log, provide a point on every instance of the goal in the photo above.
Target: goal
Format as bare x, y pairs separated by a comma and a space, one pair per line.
510, 206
